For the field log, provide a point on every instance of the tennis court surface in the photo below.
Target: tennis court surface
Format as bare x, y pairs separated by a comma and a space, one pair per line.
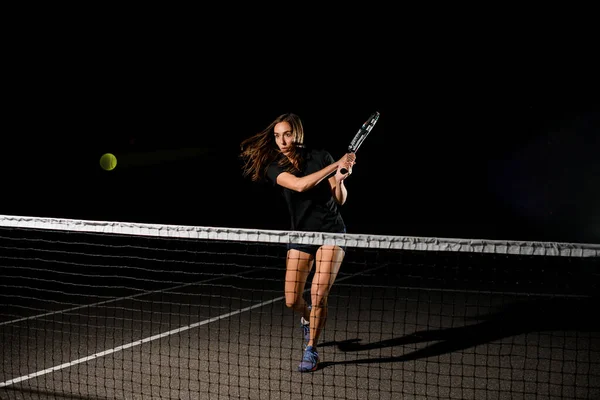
115, 310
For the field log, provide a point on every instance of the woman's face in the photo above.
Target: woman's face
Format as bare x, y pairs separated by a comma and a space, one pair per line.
284, 137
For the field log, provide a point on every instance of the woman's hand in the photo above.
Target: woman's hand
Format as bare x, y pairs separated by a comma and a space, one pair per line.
345, 163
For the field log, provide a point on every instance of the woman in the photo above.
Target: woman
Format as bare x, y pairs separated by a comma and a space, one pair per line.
313, 187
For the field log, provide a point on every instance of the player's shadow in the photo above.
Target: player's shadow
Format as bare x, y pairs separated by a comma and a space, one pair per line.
556, 314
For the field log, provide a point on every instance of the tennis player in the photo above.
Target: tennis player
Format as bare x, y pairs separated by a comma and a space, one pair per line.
313, 187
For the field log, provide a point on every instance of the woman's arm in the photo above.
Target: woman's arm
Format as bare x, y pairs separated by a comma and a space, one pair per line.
338, 188
307, 182
340, 193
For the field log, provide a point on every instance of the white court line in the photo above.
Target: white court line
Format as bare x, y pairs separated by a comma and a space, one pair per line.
151, 338
136, 343
66, 310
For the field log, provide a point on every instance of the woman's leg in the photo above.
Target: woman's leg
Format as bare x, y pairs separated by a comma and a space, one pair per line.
298, 266
328, 262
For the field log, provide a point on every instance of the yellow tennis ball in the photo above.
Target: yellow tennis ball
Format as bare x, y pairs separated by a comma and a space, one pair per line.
108, 161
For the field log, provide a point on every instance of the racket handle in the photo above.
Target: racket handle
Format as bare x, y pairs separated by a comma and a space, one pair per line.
344, 170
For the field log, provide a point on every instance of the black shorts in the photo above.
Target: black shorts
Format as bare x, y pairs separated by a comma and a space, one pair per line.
309, 248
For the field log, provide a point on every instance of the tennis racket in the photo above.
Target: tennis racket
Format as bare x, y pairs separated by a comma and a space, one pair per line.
361, 135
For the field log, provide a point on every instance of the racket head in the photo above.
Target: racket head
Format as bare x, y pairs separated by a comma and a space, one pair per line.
361, 135
363, 132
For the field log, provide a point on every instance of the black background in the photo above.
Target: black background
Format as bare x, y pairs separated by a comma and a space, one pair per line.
494, 142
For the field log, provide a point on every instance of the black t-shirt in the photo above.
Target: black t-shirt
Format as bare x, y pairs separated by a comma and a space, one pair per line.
314, 210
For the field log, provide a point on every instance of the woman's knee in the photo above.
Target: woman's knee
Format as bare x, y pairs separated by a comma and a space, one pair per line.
290, 304
293, 302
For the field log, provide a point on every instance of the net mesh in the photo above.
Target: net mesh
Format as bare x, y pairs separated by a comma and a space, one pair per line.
115, 310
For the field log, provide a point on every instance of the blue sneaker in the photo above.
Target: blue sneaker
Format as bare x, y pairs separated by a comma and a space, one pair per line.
310, 360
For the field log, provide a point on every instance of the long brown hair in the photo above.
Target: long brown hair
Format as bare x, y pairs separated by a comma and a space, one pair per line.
260, 150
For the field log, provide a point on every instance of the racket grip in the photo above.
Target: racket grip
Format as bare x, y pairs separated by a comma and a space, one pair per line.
345, 170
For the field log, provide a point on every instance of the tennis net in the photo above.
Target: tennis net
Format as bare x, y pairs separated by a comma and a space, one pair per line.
119, 310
